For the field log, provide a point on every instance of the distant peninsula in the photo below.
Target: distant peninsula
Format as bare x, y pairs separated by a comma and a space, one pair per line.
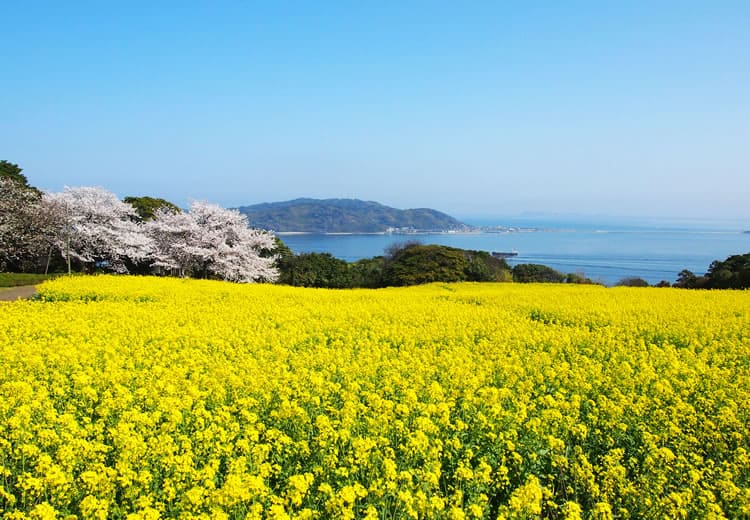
347, 216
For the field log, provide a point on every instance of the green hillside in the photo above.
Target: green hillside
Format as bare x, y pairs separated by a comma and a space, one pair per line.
345, 216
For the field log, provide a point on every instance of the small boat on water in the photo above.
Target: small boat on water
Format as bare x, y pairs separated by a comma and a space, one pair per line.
504, 254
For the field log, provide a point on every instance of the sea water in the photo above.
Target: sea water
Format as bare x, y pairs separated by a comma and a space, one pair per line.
605, 251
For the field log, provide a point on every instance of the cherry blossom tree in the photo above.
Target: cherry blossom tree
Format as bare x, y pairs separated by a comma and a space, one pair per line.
172, 234
97, 229
22, 230
211, 241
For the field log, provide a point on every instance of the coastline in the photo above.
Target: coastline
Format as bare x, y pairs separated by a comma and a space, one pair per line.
376, 233
349, 233
514, 230
477, 231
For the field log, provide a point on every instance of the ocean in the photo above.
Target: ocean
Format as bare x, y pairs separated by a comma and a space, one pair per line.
605, 250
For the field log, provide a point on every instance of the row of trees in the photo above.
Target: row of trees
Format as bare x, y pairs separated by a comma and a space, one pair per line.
89, 228
412, 263
404, 264
731, 273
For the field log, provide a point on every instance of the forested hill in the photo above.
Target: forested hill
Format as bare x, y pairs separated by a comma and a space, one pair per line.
345, 216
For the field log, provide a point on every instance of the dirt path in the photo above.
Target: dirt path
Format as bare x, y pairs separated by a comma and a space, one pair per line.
14, 293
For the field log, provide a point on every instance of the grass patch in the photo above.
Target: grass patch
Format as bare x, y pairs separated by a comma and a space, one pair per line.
18, 279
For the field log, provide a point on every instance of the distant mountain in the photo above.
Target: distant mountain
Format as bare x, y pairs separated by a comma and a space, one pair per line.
345, 216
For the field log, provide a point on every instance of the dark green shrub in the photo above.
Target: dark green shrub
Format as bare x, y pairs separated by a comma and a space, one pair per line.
536, 273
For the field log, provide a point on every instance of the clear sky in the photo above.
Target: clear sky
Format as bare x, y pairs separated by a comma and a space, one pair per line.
474, 108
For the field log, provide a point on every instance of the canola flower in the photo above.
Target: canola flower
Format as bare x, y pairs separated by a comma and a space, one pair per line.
148, 398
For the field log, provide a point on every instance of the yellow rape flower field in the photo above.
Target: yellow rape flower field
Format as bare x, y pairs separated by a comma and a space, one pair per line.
146, 398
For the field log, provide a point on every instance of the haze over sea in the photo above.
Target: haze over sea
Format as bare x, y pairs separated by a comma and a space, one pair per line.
605, 250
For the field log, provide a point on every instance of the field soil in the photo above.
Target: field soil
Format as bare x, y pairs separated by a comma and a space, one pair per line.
15, 293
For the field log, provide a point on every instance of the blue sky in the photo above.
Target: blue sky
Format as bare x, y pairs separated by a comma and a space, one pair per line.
474, 108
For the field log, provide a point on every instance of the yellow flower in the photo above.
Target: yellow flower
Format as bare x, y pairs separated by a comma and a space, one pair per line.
571, 511
44, 511
298, 486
